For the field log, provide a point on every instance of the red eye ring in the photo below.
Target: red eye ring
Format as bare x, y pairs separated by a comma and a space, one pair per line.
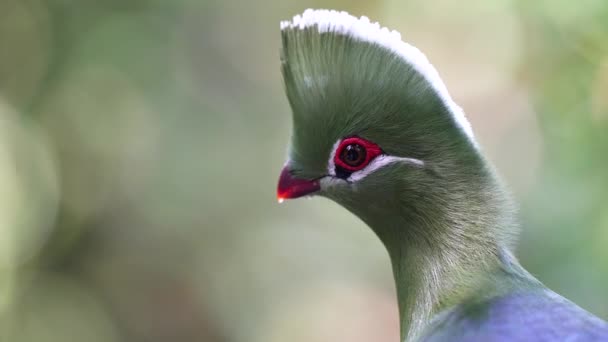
354, 153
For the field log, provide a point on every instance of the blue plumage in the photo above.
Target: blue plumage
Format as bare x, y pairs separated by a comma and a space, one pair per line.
534, 315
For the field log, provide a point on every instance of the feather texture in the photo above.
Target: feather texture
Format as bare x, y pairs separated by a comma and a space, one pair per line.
362, 29
535, 315
438, 206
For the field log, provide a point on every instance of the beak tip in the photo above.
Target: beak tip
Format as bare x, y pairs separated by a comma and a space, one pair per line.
292, 187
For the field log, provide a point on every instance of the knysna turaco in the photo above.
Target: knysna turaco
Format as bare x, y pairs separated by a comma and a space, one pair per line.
375, 130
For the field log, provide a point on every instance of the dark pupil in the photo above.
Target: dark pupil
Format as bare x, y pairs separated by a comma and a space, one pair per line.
353, 154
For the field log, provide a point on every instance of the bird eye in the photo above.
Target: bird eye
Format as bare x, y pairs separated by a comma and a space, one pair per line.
353, 154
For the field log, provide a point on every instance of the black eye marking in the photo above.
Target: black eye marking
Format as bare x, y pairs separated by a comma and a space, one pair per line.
341, 173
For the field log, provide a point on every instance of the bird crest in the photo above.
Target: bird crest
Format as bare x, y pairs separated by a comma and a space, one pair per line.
335, 63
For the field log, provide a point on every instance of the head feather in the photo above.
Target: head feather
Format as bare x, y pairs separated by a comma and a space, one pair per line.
302, 38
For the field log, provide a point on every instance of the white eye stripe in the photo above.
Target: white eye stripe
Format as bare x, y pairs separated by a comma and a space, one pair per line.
376, 164
380, 162
331, 165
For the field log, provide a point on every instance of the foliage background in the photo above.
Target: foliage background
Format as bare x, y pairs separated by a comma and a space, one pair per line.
140, 142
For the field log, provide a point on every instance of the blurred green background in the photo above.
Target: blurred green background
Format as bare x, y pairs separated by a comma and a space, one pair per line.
141, 140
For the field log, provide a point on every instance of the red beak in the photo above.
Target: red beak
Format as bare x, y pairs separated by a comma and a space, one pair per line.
291, 187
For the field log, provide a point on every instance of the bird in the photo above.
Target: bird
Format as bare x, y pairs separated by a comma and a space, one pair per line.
375, 130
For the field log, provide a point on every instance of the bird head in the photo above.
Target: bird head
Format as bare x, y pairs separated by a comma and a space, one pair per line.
373, 124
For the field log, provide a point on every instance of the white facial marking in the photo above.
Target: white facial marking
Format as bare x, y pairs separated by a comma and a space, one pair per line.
376, 164
329, 181
362, 29
380, 162
331, 166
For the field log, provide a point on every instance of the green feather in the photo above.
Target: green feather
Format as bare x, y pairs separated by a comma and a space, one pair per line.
444, 224
356, 87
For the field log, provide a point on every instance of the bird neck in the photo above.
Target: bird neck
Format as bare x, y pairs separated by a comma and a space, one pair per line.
442, 259
429, 281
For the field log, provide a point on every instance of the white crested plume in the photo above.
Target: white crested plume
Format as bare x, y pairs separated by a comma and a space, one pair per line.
364, 30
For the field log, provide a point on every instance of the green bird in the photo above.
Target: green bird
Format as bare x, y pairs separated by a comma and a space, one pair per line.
375, 130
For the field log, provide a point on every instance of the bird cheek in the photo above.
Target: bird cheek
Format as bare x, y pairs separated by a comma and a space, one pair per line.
332, 183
